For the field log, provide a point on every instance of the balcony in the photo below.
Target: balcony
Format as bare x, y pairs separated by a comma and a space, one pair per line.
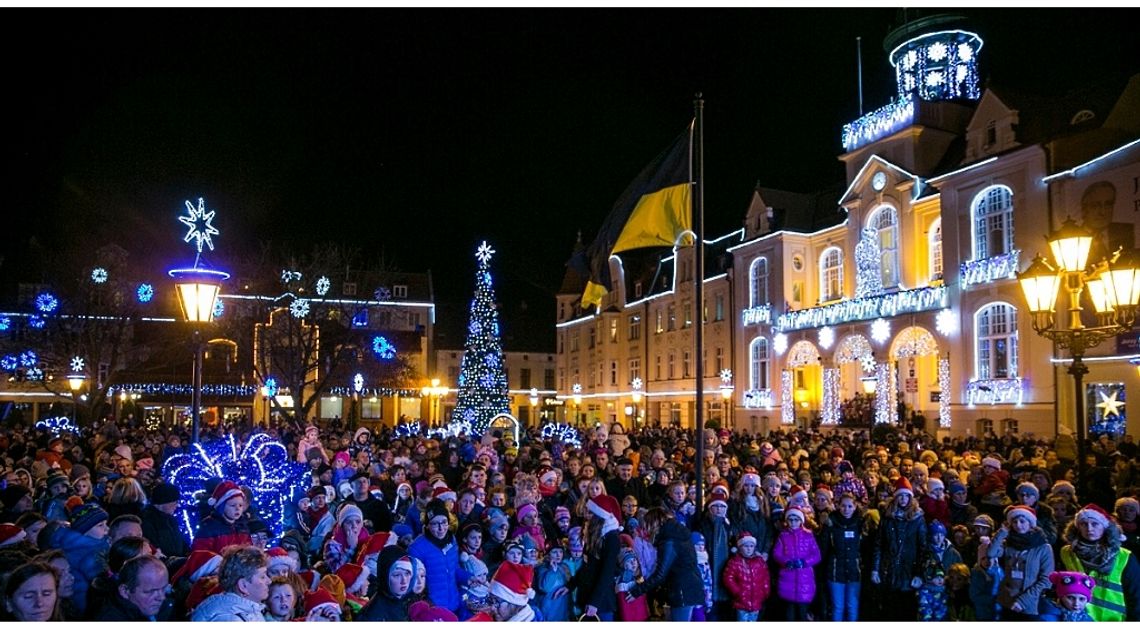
990, 269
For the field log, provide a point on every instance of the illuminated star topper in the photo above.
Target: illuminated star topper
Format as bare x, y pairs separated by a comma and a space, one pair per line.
484, 252
1109, 404
199, 225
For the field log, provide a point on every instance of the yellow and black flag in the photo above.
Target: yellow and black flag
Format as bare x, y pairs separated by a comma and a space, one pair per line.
654, 210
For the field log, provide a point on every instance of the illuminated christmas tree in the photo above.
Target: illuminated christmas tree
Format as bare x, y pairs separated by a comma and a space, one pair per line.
482, 376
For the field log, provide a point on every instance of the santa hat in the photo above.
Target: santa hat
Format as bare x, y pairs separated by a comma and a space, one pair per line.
837, 452
375, 544
525, 510
443, 492
548, 476
1070, 582
311, 578
825, 489
1094, 512
279, 556
11, 533
145, 464
224, 491
1021, 511
318, 599
716, 501
933, 484
795, 511
902, 485
348, 511
797, 491
423, 611
354, 576
199, 564
606, 507
1064, 486
991, 461
720, 487
512, 583
745, 537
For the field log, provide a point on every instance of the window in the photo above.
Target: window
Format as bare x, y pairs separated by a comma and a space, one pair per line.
686, 360
637, 289
349, 288
548, 379
561, 343
831, 274
613, 373
600, 375
524, 378
614, 329
561, 311
400, 292
936, 250
760, 366
885, 223
672, 317
996, 330
672, 365
719, 359
634, 368
991, 133
993, 222
657, 368
574, 342
758, 280
591, 339
658, 328
719, 299
634, 326
687, 312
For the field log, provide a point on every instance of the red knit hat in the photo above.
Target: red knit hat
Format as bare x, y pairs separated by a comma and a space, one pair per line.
422, 611
902, 485
512, 582
225, 491
317, 599
443, 492
11, 533
607, 504
199, 564
374, 544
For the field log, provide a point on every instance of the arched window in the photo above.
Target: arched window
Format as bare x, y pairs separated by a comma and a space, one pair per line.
831, 274
935, 247
758, 273
885, 223
758, 374
995, 329
993, 222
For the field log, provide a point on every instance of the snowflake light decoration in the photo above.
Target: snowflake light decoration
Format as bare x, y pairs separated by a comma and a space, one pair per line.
323, 285
826, 337
9, 362
36, 321
56, 425
198, 223
36, 374
145, 293
299, 308
262, 464
726, 376
965, 52
934, 78
29, 359
868, 363
945, 322
271, 386
357, 383
880, 330
404, 430
780, 343
99, 275
46, 302
484, 253
937, 51
290, 275
382, 348
577, 389
5, 323
219, 308
637, 383
562, 432
77, 364
382, 293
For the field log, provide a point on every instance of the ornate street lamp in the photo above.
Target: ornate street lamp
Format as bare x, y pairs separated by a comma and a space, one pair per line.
636, 384
75, 382
197, 289
1114, 288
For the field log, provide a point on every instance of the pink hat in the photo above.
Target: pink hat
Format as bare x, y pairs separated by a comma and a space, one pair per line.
525, 510
1069, 582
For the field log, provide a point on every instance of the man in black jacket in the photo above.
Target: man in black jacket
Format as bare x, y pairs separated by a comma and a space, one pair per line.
373, 508
141, 594
624, 484
159, 524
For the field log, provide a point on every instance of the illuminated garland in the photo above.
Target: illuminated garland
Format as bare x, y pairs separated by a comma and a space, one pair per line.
939, 66
758, 398
878, 124
219, 390
780, 343
868, 265
803, 353
35, 321
787, 404
29, 359
405, 430
758, 314
914, 342
884, 411
826, 337
944, 396
830, 411
866, 308
562, 432
853, 348
880, 330
323, 285
263, 465
995, 391
376, 391
990, 269
299, 308
57, 425
5, 323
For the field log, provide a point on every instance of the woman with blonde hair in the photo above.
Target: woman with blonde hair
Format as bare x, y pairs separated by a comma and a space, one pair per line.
126, 497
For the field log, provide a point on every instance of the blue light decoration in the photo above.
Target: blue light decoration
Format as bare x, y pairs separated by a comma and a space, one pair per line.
5, 323
99, 275
1106, 408
360, 319
9, 362
271, 386
168, 390
145, 293
382, 293
405, 430
299, 308
383, 349
198, 223
219, 308
879, 123
482, 393
46, 302
262, 464
29, 359
34, 374
56, 425
562, 432
35, 321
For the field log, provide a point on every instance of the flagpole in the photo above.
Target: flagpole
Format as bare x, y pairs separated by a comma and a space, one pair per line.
698, 289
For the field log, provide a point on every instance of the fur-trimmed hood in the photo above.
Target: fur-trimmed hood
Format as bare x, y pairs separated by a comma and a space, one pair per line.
1113, 535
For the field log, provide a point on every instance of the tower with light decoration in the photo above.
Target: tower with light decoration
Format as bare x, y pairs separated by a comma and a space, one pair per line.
482, 380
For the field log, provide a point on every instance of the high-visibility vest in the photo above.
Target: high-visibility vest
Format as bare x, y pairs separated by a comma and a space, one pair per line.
1107, 603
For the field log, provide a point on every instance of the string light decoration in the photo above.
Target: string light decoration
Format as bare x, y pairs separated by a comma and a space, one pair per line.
829, 414
145, 293
803, 353
456, 429
780, 343
357, 383
9, 362
885, 410
758, 398
758, 314
868, 363
879, 123
29, 359
199, 227
938, 66
262, 465
378, 391
787, 404
990, 269
867, 308
995, 391
946, 322
288, 276
562, 432
382, 293
383, 349
1106, 408
323, 285
853, 348
213, 390
880, 330
5, 323
944, 420
35, 321
299, 308
153, 422
34, 374
46, 302
913, 342
725, 378
99, 275
219, 308
406, 430
77, 364
482, 381
826, 337
57, 425
868, 265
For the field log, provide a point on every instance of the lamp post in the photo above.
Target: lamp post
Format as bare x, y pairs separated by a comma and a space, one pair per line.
534, 405
75, 382
265, 400
636, 385
726, 389
433, 393
577, 404
197, 289
1113, 286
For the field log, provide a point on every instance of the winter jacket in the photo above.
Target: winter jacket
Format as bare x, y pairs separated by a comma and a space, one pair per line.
935, 509
947, 554
796, 553
598, 575
756, 523
215, 534
384, 606
228, 607
547, 580
901, 551
87, 558
163, 532
747, 582
1033, 562
718, 542
841, 540
444, 575
118, 609
676, 568
962, 515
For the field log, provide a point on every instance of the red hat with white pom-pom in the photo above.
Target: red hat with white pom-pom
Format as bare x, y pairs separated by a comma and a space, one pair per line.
512, 583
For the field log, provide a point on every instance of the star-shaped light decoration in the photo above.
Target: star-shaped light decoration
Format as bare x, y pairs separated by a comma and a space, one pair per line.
880, 330
945, 322
637, 383
577, 388
726, 376
382, 348
358, 383
219, 308
99, 275
198, 223
1109, 404
145, 293
826, 337
484, 253
299, 308
77, 364
780, 343
323, 285
868, 362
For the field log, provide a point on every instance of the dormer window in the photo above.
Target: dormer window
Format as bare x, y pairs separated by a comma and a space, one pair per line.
1084, 115
991, 134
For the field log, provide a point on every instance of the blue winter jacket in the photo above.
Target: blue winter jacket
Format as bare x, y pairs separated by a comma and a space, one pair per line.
444, 575
87, 558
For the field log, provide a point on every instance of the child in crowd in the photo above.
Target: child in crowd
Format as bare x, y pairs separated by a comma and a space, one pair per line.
631, 608
933, 600
1074, 590
746, 579
552, 586
701, 612
796, 554
958, 592
941, 548
985, 578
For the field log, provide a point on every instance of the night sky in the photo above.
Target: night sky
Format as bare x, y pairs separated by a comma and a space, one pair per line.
415, 134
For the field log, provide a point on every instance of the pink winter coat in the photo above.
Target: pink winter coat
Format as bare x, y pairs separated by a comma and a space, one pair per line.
796, 584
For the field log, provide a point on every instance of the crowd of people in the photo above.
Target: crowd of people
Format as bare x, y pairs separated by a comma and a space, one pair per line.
800, 525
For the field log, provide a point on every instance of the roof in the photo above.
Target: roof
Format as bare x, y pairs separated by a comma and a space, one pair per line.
804, 212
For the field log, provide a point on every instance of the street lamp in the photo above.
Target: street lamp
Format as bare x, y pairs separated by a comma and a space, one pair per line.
1114, 288
534, 405
433, 393
197, 289
577, 404
265, 400
726, 389
75, 383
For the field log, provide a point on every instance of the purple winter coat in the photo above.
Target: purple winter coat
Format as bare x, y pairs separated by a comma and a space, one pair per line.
796, 584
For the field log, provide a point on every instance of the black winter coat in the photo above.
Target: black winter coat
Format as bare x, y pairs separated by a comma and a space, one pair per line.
840, 543
163, 532
384, 606
118, 609
756, 523
900, 552
676, 568
598, 575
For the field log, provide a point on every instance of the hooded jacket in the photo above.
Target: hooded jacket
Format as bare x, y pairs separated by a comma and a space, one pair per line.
384, 606
676, 568
900, 550
444, 575
216, 534
228, 607
796, 553
87, 558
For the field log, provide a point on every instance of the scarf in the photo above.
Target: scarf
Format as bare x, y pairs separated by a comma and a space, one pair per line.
440, 543
751, 503
1034, 538
702, 557
1094, 556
